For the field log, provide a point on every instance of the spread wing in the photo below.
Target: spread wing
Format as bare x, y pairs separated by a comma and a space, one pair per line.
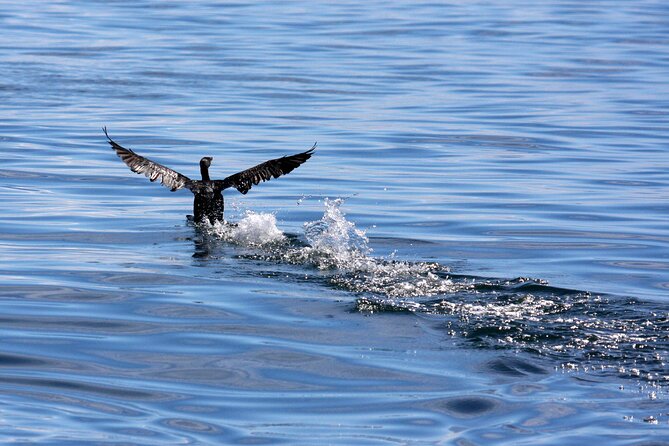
152, 170
243, 181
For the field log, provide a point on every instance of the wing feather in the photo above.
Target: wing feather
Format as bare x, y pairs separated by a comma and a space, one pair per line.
152, 170
244, 180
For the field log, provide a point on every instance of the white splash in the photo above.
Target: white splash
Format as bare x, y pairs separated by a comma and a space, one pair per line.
334, 242
254, 229
337, 248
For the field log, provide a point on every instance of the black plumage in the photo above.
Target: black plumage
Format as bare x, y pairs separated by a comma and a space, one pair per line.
208, 201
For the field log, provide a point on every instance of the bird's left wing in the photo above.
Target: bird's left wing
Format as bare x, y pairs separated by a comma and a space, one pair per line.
243, 181
152, 170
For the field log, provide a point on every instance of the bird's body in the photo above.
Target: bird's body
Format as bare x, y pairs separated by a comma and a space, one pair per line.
208, 194
208, 203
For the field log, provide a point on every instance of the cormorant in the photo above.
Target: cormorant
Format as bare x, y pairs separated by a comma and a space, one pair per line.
208, 202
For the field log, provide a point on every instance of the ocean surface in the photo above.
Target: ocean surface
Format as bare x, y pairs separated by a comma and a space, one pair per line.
477, 253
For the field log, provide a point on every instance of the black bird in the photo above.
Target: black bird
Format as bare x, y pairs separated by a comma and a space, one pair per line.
208, 202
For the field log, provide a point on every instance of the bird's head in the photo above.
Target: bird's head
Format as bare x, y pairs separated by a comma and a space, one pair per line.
206, 161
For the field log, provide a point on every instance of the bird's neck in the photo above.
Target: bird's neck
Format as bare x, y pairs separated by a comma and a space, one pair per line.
204, 170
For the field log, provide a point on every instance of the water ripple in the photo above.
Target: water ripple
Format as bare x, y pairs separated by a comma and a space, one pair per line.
479, 145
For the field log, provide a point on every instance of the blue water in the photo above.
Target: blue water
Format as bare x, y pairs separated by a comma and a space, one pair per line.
477, 254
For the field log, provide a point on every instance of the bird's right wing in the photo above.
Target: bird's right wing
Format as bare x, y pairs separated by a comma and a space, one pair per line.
152, 170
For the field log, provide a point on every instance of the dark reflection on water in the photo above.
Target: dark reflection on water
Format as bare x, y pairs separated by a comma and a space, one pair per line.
467, 407
474, 143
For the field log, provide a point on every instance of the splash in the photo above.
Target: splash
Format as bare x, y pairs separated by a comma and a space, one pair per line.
337, 246
253, 230
334, 234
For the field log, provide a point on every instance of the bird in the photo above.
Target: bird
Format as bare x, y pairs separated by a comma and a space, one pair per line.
208, 202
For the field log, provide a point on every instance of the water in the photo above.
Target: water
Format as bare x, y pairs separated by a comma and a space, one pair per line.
477, 254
